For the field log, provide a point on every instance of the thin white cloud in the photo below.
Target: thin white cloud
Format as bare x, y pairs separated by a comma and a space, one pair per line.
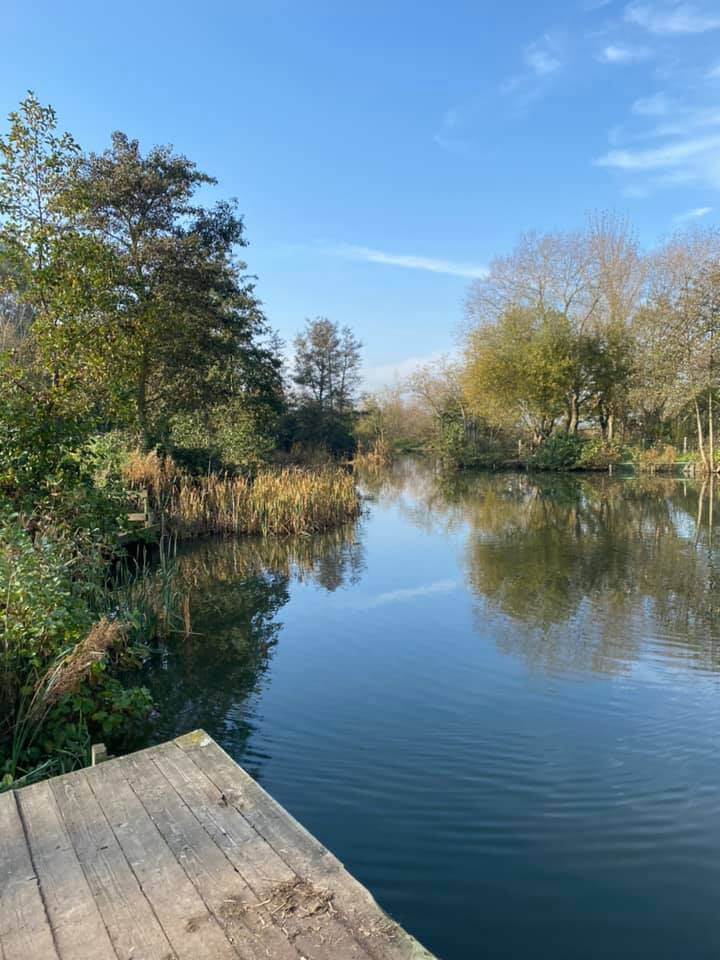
451, 268
622, 53
405, 594
668, 156
714, 73
656, 106
387, 374
697, 213
679, 162
542, 58
672, 18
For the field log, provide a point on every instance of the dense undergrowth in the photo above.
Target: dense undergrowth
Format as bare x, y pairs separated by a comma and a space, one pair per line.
76, 619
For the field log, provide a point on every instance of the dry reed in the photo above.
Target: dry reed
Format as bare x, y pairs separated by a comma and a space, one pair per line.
277, 502
75, 666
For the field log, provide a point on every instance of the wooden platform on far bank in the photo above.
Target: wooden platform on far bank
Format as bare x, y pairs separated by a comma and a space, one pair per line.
175, 853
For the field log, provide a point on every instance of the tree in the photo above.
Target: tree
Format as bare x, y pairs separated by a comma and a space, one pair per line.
326, 375
519, 370
677, 329
180, 324
327, 365
592, 278
35, 162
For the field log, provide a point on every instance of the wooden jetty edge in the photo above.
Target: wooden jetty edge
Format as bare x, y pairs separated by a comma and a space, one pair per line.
176, 853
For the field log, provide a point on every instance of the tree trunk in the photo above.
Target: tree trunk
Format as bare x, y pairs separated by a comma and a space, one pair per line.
573, 420
142, 411
711, 437
610, 428
701, 438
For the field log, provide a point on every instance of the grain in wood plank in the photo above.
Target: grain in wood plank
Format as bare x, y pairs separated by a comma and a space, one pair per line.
314, 876
262, 867
378, 933
132, 926
78, 928
192, 930
307, 911
222, 887
24, 927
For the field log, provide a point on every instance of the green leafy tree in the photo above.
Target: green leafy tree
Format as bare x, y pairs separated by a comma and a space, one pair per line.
326, 376
521, 369
180, 327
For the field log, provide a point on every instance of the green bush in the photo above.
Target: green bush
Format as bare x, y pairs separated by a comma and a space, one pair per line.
558, 452
55, 696
598, 454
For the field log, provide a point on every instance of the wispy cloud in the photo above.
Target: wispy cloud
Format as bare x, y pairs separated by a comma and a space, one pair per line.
542, 57
697, 213
714, 73
622, 53
659, 105
542, 60
672, 18
680, 161
387, 374
407, 593
452, 268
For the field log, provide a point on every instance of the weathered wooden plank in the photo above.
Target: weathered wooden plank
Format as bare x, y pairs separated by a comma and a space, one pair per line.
307, 911
246, 922
77, 926
257, 860
191, 928
24, 927
131, 924
380, 936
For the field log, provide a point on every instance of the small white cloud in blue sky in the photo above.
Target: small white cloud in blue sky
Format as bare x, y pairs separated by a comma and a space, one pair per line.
697, 213
673, 18
666, 156
542, 57
410, 261
658, 105
623, 53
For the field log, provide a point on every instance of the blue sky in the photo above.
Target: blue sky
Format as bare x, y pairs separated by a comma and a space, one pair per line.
382, 153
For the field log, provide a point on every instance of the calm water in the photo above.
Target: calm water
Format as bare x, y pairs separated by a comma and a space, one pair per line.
498, 702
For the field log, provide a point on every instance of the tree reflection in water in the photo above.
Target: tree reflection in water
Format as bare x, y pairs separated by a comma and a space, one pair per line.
225, 597
579, 572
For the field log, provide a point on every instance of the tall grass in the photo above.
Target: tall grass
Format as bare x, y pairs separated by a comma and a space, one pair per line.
275, 502
375, 457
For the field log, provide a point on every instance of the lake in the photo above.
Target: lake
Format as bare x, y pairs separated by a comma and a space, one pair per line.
496, 700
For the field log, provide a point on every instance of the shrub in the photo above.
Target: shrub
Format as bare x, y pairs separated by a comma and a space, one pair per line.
661, 457
558, 452
599, 454
56, 668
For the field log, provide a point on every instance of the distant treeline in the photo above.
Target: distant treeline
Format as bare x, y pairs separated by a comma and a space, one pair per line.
576, 337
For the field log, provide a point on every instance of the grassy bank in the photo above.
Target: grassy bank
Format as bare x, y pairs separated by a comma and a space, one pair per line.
76, 619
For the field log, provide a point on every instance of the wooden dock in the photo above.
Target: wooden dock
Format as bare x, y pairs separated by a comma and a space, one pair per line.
176, 853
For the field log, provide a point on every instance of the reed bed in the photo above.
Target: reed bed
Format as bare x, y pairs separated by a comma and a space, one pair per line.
275, 502
375, 457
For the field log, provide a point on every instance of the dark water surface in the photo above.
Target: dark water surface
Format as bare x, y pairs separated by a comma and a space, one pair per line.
498, 702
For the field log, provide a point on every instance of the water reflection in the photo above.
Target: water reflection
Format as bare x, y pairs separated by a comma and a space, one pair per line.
509, 682
580, 572
224, 598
